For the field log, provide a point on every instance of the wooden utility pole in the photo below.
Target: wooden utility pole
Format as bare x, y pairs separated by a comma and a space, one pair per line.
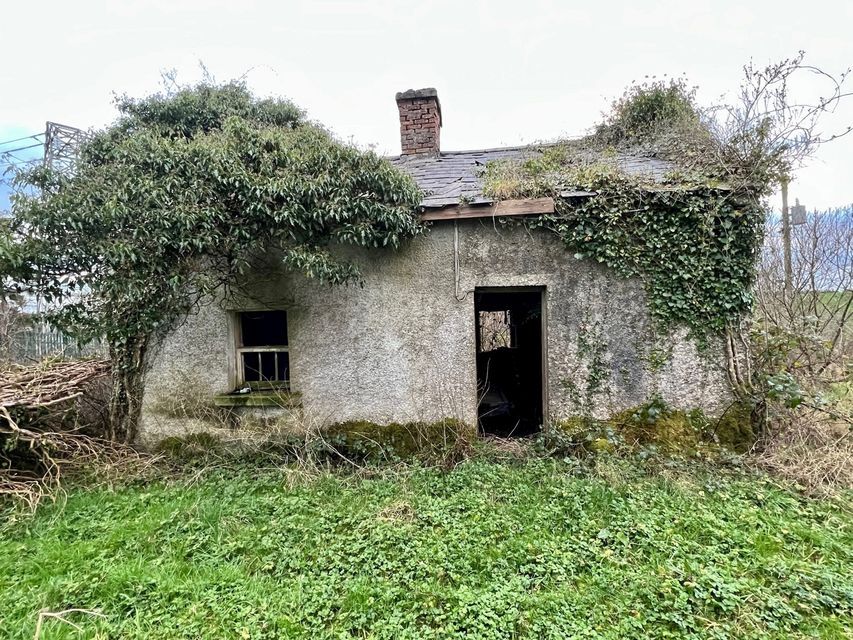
786, 239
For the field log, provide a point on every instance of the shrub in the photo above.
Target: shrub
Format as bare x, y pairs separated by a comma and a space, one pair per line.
649, 110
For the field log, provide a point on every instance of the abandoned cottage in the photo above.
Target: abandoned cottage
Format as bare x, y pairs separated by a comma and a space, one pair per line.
480, 319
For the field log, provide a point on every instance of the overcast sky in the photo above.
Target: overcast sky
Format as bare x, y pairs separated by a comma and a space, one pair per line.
507, 72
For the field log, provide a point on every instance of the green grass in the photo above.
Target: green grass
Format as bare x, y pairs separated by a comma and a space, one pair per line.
529, 550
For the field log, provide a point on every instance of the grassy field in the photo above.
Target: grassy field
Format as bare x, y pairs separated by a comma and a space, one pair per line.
532, 550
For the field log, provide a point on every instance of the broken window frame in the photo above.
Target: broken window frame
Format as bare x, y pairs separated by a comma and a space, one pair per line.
241, 351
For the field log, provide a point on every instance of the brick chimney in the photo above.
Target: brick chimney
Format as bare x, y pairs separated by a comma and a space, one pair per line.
420, 121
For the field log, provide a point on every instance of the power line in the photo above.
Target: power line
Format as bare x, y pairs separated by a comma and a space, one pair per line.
34, 136
32, 146
12, 161
61, 148
9, 157
9, 161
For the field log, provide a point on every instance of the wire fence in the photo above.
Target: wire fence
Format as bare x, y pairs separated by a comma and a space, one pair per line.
33, 344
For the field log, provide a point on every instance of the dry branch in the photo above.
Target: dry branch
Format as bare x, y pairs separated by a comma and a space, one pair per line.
44, 614
42, 435
46, 385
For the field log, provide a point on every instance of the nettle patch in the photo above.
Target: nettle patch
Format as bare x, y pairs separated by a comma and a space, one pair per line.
690, 234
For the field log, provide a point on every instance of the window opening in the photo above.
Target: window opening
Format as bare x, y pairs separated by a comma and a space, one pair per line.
496, 330
263, 355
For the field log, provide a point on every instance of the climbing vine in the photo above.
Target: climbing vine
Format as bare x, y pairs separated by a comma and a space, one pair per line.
167, 207
592, 352
694, 247
691, 232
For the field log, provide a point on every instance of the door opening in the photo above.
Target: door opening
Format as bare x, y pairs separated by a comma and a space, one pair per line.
509, 360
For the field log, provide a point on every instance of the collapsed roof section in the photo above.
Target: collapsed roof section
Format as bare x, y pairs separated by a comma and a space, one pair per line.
453, 186
454, 177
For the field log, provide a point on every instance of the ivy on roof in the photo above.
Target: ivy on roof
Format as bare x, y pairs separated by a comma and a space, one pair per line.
691, 234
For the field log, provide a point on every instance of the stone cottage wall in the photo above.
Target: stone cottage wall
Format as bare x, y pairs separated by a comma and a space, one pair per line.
402, 346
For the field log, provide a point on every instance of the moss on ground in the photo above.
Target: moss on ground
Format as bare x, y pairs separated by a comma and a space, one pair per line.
363, 440
734, 428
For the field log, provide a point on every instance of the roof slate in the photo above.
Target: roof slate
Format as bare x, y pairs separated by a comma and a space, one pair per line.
453, 177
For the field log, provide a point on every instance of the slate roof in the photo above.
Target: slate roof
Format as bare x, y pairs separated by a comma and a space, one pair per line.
453, 176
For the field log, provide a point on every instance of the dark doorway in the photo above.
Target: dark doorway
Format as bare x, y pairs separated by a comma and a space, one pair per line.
509, 360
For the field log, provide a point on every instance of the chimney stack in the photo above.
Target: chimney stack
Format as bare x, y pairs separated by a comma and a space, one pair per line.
420, 121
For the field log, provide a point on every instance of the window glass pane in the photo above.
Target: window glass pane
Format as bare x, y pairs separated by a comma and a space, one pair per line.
251, 369
283, 365
260, 366
268, 365
263, 328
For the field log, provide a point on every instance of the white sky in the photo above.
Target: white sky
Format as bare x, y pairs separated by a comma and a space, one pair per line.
507, 72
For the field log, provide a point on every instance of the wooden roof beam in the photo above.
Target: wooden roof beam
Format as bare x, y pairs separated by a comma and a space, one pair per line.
526, 207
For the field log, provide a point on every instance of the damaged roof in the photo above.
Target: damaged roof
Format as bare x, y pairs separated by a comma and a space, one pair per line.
452, 177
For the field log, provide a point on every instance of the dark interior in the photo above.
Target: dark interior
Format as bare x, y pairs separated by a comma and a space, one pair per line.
263, 328
266, 366
509, 361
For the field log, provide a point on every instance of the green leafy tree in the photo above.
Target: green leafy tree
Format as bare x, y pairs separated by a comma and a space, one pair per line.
173, 202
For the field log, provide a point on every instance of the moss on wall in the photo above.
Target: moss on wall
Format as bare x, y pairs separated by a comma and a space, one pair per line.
655, 427
734, 429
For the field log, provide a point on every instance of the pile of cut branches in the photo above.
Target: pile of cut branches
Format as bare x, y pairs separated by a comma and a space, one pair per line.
48, 384
44, 434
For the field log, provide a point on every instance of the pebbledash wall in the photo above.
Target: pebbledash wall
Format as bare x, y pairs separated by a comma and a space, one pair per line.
401, 347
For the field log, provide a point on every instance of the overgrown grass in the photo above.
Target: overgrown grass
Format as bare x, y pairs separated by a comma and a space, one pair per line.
530, 550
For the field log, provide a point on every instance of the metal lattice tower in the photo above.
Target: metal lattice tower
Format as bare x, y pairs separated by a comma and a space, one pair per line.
62, 145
